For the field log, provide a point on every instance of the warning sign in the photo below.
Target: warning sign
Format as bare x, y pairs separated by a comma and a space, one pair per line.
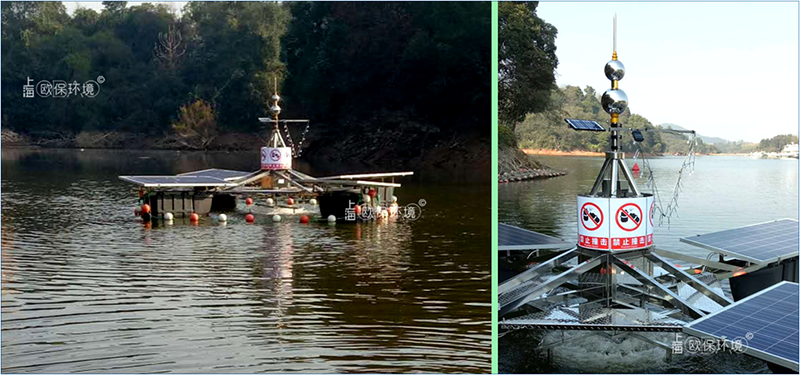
593, 227
629, 217
651, 202
591, 216
629, 227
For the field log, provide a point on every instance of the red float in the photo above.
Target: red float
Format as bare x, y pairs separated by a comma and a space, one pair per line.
304, 219
146, 208
194, 217
248, 201
250, 218
290, 201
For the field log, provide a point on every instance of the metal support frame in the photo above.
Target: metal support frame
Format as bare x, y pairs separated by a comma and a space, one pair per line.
615, 160
551, 284
671, 297
533, 272
695, 260
689, 279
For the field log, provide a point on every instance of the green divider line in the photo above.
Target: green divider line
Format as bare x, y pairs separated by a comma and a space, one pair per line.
493, 181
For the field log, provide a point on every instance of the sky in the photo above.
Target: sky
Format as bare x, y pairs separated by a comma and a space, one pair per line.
98, 5
723, 69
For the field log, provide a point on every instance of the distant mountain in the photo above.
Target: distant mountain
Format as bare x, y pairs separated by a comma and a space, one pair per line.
705, 138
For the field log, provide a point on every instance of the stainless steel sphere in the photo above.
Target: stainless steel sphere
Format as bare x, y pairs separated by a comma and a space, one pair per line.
615, 70
275, 109
614, 101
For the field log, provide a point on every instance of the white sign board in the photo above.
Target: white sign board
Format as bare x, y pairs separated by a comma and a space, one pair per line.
651, 205
628, 223
616, 224
276, 158
593, 225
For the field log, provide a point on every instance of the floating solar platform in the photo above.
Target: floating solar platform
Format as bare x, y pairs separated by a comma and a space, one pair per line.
516, 238
585, 125
177, 181
760, 243
223, 174
767, 321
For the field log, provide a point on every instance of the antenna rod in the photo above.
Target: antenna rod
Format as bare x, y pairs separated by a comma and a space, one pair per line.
615, 33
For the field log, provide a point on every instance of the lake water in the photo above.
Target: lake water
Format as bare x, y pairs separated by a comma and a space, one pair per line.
86, 287
724, 192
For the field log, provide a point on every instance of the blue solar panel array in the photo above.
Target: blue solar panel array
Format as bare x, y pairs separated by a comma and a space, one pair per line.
584, 125
510, 237
760, 243
767, 321
176, 181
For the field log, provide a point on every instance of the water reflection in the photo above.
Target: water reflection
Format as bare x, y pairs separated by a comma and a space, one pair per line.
87, 287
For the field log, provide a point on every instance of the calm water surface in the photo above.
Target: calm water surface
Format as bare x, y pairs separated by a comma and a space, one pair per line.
724, 192
87, 288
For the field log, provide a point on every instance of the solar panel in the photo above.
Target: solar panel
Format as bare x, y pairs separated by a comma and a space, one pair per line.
587, 125
759, 243
223, 174
767, 321
515, 238
176, 181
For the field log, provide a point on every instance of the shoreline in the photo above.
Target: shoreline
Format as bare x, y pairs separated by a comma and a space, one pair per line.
580, 153
551, 152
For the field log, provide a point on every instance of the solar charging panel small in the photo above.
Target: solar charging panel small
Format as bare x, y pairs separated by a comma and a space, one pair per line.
586, 125
510, 237
765, 324
759, 243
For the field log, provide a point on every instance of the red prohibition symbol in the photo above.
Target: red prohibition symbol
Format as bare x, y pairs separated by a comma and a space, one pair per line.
590, 217
629, 216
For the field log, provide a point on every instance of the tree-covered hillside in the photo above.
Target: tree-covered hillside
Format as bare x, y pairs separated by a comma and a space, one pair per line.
547, 130
351, 68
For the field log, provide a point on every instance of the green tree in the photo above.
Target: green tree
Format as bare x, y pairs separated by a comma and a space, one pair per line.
527, 61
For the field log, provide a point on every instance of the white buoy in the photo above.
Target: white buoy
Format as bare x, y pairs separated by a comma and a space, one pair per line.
276, 218
313, 201
331, 219
270, 202
168, 216
394, 199
222, 218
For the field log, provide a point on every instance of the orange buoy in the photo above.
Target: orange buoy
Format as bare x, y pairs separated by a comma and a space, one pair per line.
698, 271
358, 210
250, 218
194, 217
146, 208
304, 219
248, 201
635, 167
290, 201
739, 273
